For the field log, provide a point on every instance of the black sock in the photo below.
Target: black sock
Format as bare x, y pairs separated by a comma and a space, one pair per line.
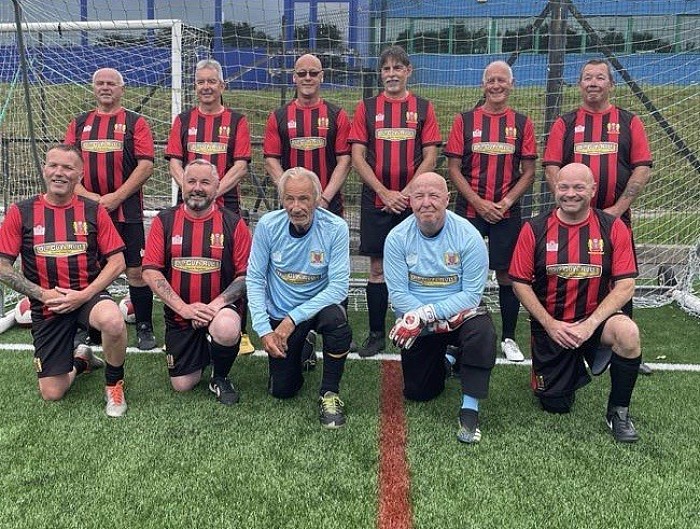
142, 300
222, 358
377, 305
332, 372
80, 365
113, 374
510, 306
623, 377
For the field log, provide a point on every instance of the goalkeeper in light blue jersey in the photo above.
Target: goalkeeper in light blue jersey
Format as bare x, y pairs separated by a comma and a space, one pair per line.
297, 281
436, 265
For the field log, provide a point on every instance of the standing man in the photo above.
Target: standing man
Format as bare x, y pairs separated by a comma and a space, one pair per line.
491, 159
117, 149
395, 137
312, 133
71, 253
573, 269
196, 261
297, 280
611, 141
217, 134
213, 132
436, 268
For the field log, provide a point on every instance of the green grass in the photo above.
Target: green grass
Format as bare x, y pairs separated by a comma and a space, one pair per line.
184, 461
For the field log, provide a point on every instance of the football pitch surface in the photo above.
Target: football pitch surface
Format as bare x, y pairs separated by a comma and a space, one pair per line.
185, 461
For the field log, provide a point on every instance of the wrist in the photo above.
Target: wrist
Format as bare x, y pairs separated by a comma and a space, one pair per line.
325, 201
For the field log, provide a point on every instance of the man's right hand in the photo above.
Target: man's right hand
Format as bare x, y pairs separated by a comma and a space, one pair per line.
394, 201
274, 345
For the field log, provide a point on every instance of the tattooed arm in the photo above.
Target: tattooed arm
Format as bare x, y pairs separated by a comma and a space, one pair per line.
197, 312
232, 293
15, 279
635, 185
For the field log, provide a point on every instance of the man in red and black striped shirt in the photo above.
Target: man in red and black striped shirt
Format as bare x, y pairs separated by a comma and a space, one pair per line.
117, 148
610, 140
213, 132
395, 137
71, 252
196, 261
312, 133
573, 269
491, 155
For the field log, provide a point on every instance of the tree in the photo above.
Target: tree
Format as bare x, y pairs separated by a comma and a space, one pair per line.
328, 37
242, 35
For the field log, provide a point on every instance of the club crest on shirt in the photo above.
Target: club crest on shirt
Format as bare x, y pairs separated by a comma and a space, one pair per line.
317, 258
552, 246
511, 133
224, 131
120, 128
578, 129
595, 246
451, 258
192, 131
39, 230
291, 124
217, 240
87, 128
176, 240
323, 123
379, 117
80, 227
412, 117
476, 133
613, 128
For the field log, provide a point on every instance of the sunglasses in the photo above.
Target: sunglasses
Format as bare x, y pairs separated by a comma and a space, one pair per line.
308, 73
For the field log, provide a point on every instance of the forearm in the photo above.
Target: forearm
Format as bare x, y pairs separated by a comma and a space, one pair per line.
638, 180
81, 191
177, 171
620, 294
529, 300
429, 160
550, 174
364, 171
338, 177
161, 288
115, 265
233, 176
14, 279
273, 168
136, 180
234, 292
334, 294
523, 184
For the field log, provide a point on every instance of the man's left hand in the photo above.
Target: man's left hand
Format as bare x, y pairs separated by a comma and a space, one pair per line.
69, 301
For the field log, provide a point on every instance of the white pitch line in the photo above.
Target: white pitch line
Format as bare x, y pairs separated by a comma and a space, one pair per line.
354, 356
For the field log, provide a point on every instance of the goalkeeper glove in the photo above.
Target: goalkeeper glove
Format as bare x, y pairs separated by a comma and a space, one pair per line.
406, 329
454, 322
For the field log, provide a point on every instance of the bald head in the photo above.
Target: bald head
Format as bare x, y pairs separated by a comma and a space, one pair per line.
308, 76
307, 61
577, 170
429, 201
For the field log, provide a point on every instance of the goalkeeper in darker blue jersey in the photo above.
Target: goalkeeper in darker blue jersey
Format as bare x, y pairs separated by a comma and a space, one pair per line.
297, 281
436, 265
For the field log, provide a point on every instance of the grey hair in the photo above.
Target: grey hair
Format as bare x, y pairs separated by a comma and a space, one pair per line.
299, 172
598, 62
120, 77
211, 64
498, 63
205, 163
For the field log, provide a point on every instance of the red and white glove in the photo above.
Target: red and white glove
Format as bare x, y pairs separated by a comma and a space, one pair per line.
407, 329
454, 322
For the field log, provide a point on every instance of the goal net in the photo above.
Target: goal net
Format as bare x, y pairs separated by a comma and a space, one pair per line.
655, 47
